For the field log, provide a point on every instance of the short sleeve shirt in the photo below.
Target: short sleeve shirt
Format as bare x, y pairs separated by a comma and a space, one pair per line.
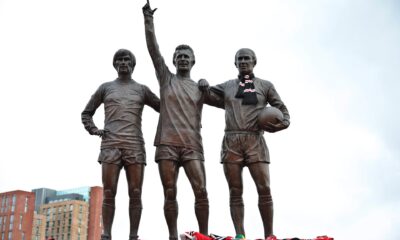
180, 113
180, 110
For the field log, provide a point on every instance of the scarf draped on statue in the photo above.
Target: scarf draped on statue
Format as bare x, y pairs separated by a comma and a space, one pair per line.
246, 90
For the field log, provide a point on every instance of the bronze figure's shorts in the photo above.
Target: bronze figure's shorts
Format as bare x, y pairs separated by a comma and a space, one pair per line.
244, 148
122, 157
179, 154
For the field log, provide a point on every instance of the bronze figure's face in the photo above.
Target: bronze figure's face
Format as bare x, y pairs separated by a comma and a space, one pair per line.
123, 64
245, 60
184, 60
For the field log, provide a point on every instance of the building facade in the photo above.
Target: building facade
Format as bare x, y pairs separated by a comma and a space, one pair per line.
16, 215
39, 227
95, 228
62, 220
66, 220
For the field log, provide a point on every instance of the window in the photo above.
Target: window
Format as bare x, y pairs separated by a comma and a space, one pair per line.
6, 204
9, 235
4, 224
20, 222
71, 207
14, 198
26, 204
3, 201
11, 222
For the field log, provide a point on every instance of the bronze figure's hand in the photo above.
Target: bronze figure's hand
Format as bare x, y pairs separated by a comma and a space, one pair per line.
99, 132
147, 9
203, 84
270, 127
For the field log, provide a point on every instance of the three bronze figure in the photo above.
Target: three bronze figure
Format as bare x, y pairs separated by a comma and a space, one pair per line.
178, 140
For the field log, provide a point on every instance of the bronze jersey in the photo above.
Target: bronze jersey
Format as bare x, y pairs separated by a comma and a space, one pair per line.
123, 107
239, 117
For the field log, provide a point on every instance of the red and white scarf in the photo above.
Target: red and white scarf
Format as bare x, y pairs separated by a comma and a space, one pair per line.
246, 90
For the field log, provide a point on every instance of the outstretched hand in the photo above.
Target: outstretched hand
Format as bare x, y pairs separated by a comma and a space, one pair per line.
147, 9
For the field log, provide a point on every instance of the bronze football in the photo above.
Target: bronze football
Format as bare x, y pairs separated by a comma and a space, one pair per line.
269, 115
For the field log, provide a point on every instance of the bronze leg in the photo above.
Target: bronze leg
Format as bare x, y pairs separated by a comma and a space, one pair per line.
195, 172
134, 176
169, 174
110, 176
233, 175
260, 174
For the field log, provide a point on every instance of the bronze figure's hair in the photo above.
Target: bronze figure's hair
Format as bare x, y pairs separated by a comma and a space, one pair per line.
123, 52
183, 47
247, 50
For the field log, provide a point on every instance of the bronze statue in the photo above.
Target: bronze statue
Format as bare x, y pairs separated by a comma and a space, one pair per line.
178, 137
243, 144
122, 142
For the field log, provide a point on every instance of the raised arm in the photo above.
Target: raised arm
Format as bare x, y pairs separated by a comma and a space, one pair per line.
152, 45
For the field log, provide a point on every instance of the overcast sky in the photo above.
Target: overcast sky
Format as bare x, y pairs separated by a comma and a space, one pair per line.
336, 64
